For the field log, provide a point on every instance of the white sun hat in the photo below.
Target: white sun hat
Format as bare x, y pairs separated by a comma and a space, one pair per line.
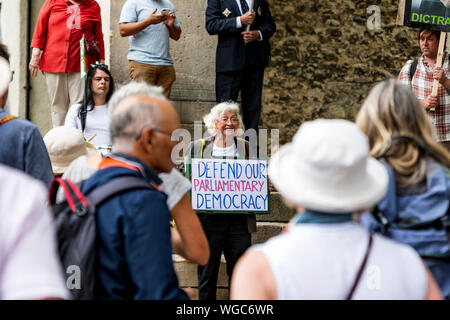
65, 144
327, 167
5, 75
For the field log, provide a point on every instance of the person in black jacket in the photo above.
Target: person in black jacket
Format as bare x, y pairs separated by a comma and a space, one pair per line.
241, 55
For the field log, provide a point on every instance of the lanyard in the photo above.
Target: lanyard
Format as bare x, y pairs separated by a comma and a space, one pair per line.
114, 161
7, 118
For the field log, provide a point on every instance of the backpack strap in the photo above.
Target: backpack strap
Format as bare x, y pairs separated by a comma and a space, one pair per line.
244, 146
413, 69
378, 215
6, 119
361, 269
116, 186
193, 149
75, 199
79, 203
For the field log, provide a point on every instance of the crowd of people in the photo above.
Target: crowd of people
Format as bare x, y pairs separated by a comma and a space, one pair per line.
372, 196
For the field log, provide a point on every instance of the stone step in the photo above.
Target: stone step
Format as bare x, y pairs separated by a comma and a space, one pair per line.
187, 271
267, 230
279, 211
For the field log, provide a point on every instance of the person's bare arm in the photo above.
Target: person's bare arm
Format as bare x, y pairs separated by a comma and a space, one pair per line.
189, 239
34, 62
131, 28
174, 31
433, 291
253, 279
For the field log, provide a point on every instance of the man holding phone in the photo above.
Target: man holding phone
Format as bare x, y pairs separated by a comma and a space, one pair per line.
150, 24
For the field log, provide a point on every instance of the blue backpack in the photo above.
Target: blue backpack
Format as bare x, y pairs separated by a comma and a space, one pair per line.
419, 218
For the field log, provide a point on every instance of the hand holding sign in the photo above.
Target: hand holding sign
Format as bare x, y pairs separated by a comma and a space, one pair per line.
429, 15
430, 102
439, 75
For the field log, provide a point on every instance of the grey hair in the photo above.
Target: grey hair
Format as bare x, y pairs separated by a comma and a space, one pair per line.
128, 121
131, 89
213, 116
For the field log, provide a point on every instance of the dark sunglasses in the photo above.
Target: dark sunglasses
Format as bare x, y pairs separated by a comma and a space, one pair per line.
98, 65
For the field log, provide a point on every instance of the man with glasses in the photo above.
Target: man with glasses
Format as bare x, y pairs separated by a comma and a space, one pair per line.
242, 54
149, 29
134, 233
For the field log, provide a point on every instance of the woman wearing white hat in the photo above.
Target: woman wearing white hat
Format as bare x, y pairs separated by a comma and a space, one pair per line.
327, 173
64, 145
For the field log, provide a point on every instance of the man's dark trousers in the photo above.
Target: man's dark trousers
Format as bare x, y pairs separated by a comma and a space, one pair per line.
227, 233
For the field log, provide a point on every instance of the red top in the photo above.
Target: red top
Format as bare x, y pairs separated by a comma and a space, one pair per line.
59, 29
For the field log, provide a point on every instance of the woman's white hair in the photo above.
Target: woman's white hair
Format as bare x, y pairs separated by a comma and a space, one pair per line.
213, 116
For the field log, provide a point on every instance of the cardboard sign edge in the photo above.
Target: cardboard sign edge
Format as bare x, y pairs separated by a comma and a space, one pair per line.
401, 13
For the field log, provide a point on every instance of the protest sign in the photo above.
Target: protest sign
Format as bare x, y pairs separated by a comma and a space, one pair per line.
228, 185
425, 14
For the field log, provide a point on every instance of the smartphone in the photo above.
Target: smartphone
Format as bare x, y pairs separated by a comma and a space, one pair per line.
165, 11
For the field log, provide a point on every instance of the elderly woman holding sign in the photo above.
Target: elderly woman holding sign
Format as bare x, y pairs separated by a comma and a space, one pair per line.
227, 233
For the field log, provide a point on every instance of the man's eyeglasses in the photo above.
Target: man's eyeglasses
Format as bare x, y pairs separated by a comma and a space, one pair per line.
169, 134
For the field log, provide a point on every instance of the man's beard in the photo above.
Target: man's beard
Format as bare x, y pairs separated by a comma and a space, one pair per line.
430, 55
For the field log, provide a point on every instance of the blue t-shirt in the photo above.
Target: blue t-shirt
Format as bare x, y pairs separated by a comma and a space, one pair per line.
151, 45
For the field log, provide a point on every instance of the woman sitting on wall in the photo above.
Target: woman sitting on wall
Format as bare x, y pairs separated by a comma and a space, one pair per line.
96, 121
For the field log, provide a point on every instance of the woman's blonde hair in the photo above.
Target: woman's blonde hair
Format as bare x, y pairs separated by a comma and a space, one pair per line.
213, 116
400, 131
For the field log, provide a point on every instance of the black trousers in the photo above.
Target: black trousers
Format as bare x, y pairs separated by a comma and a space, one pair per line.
249, 82
227, 233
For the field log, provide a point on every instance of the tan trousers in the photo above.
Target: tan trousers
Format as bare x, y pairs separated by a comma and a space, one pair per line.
64, 90
160, 76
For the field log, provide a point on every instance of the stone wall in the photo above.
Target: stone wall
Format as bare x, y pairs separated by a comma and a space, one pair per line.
325, 59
